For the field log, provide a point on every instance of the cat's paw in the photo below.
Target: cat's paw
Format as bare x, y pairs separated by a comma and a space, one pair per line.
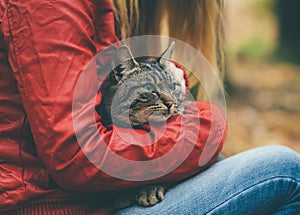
124, 201
150, 196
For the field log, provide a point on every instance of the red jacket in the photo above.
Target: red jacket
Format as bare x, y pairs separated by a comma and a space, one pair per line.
44, 45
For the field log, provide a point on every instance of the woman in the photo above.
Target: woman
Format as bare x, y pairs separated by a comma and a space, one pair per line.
44, 47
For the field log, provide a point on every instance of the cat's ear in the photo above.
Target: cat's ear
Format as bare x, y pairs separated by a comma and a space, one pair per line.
166, 56
122, 62
123, 57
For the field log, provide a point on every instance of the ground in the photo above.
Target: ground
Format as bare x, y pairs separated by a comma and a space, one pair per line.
263, 101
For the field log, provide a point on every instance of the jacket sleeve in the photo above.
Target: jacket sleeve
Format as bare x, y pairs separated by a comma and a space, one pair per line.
49, 43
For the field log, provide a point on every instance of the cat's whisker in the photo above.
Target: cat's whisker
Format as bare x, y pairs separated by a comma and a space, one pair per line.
135, 108
189, 112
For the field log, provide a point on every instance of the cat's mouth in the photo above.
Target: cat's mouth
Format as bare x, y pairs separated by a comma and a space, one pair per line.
152, 113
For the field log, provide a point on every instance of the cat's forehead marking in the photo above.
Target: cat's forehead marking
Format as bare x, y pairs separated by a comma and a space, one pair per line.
130, 74
147, 72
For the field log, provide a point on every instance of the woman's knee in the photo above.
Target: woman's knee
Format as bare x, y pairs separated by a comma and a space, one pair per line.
281, 154
278, 160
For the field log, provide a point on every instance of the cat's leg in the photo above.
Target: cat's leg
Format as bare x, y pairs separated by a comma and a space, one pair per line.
151, 195
146, 196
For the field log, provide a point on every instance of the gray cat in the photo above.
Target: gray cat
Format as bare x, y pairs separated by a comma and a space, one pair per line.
136, 93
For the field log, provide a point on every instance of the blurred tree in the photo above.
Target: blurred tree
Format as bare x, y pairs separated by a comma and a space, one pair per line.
288, 12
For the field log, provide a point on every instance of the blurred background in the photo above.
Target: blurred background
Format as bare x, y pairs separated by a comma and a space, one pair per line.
263, 74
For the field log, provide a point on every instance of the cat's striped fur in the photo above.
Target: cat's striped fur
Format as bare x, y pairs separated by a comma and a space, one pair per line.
137, 91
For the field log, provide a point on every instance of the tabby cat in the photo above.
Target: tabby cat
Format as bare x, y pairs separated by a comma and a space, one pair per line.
138, 92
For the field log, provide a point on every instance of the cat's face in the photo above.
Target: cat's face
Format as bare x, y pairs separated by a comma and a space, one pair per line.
142, 91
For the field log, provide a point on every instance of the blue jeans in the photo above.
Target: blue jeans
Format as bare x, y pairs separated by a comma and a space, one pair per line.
257, 182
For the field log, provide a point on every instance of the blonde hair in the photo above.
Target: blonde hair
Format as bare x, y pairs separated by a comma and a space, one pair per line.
197, 22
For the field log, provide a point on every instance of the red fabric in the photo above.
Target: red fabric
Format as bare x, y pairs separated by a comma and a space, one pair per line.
44, 45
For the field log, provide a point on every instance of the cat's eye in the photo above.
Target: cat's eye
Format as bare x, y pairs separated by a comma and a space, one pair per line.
149, 88
173, 86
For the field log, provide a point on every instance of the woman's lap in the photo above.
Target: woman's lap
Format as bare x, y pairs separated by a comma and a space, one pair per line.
259, 181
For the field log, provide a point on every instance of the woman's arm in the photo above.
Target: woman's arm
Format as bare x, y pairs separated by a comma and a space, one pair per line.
49, 43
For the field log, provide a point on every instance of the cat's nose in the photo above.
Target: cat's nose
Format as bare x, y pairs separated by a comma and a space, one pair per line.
169, 104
